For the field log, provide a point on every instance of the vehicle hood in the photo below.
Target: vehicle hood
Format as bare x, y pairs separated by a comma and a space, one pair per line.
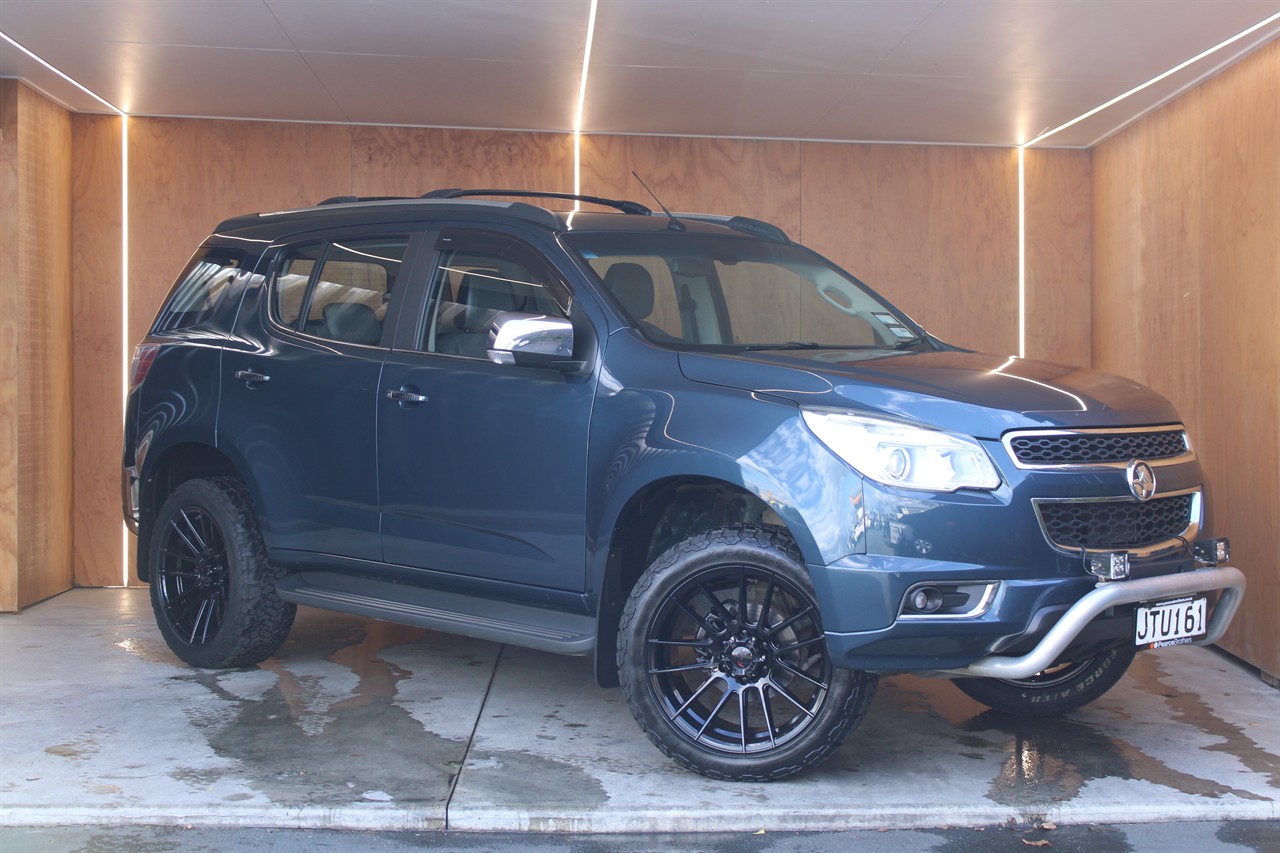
974, 393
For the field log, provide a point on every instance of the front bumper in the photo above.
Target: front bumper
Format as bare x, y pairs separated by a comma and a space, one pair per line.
1107, 595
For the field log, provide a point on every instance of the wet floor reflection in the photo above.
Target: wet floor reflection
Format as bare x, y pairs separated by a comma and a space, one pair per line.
1189, 708
1043, 761
324, 722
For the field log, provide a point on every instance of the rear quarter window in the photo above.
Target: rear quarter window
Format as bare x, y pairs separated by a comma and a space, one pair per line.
199, 290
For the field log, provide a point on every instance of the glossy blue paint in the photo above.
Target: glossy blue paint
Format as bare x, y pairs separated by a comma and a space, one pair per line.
513, 482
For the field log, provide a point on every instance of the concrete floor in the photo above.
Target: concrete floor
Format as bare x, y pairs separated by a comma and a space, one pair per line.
363, 724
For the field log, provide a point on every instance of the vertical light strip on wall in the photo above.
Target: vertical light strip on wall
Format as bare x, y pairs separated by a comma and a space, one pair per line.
124, 250
1022, 251
124, 308
1022, 246
582, 99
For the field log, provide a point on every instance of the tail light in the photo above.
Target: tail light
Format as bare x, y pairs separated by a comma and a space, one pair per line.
143, 356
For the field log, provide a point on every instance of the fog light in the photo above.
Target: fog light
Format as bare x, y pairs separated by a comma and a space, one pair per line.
926, 599
1213, 551
1110, 565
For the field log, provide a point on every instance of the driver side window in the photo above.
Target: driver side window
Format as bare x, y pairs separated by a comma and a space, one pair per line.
479, 276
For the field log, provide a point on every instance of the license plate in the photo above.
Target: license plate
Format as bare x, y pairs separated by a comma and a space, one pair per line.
1171, 623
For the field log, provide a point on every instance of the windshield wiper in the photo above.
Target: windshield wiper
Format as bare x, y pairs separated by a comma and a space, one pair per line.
786, 346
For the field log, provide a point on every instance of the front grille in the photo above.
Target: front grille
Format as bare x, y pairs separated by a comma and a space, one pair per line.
1095, 448
1108, 525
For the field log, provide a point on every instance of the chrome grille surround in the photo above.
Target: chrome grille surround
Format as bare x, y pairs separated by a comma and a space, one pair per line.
1097, 448
1079, 526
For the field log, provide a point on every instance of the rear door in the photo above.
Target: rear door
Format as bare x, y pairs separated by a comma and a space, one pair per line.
483, 466
299, 409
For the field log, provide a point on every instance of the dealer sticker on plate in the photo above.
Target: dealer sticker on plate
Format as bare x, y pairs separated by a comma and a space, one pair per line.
1171, 623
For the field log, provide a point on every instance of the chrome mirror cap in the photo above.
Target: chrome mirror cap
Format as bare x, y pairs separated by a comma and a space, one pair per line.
532, 340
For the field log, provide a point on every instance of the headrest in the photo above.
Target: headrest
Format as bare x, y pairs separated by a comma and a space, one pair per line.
633, 286
354, 322
482, 296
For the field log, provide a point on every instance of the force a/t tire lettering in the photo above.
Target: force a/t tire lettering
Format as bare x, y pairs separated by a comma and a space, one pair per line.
724, 662
212, 588
1057, 690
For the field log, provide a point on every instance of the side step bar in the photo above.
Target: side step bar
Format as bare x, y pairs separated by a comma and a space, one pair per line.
1054, 643
482, 618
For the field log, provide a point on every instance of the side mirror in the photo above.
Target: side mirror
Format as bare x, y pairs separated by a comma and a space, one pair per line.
533, 340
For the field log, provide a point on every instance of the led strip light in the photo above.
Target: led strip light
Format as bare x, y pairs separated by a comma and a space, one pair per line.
582, 98
1022, 149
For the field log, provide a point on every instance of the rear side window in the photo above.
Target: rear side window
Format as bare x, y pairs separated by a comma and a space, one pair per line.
338, 290
200, 288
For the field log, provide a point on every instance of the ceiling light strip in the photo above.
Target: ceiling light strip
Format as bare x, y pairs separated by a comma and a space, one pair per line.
582, 99
87, 91
1174, 70
1022, 149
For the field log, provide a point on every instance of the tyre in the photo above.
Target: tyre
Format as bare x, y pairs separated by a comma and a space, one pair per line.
1057, 690
724, 663
212, 589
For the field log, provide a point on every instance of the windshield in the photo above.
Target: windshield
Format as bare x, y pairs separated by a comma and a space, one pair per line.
733, 293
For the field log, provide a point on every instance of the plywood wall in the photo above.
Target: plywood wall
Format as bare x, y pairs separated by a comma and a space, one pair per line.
97, 349
933, 228
9, 361
1186, 275
35, 370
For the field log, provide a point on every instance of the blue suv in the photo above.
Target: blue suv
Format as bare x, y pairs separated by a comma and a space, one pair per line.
681, 443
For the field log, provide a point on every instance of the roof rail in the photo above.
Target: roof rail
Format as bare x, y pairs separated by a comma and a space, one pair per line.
745, 224
624, 206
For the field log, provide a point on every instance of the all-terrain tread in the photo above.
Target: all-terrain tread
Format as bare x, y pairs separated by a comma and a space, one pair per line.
257, 620
1011, 697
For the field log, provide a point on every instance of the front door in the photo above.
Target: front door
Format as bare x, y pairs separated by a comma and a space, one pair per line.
483, 466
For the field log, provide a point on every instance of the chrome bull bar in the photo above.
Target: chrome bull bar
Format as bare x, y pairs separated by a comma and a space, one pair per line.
1109, 594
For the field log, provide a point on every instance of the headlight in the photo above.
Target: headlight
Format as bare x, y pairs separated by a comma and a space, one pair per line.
904, 455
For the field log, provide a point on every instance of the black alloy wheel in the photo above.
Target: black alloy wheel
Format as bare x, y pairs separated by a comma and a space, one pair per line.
724, 661
191, 575
212, 588
737, 661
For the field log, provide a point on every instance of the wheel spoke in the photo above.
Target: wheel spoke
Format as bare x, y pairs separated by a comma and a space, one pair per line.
186, 540
701, 620
716, 604
195, 625
799, 674
782, 650
742, 596
686, 668
695, 644
711, 679
202, 545
762, 622
786, 623
728, 691
742, 718
185, 597
786, 694
768, 717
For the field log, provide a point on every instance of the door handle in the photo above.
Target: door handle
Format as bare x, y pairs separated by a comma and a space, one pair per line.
252, 376
404, 396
